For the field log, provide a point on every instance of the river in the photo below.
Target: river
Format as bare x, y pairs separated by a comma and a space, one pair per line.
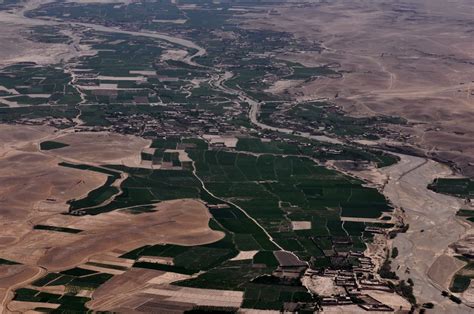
406, 186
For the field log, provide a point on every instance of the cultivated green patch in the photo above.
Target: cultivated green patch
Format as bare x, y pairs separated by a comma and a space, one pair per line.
57, 229
49, 145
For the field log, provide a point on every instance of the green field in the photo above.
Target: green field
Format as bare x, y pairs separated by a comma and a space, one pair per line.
187, 260
231, 275
318, 150
460, 283
460, 187
463, 277
275, 190
144, 187
7, 262
68, 303
49, 145
76, 278
101, 194
265, 296
466, 214
31, 79
57, 229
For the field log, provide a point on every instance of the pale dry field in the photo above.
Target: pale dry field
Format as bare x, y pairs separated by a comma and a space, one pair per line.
301, 225
102, 148
28, 178
393, 300
244, 255
411, 59
138, 287
183, 222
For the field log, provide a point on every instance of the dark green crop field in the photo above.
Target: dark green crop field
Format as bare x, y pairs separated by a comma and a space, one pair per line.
68, 303
7, 262
276, 190
187, 260
49, 145
318, 150
265, 296
76, 278
57, 229
30, 81
460, 283
461, 187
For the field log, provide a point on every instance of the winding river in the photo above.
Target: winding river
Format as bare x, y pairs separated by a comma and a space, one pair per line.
431, 216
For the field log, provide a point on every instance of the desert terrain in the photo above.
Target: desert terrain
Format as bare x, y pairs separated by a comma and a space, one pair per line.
410, 59
165, 180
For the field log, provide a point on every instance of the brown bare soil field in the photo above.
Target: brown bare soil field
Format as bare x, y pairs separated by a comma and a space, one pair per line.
121, 287
29, 180
12, 136
103, 233
12, 276
34, 190
102, 147
443, 270
414, 60
183, 222
135, 290
28, 307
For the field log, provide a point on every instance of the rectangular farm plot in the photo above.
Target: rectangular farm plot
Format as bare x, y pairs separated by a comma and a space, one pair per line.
67, 303
56, 229
203, 297
291, 197
180, 259
462, 187
301, 225
49, 145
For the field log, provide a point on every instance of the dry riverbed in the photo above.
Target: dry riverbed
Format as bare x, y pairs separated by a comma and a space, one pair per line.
432, 228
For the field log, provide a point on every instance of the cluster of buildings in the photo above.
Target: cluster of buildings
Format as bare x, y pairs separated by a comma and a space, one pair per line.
59, 123
339, 287
172, 120
335, 287
358, 286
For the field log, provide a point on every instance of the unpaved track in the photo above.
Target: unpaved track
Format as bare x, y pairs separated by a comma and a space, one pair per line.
240, 208
428, 211
8, 294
